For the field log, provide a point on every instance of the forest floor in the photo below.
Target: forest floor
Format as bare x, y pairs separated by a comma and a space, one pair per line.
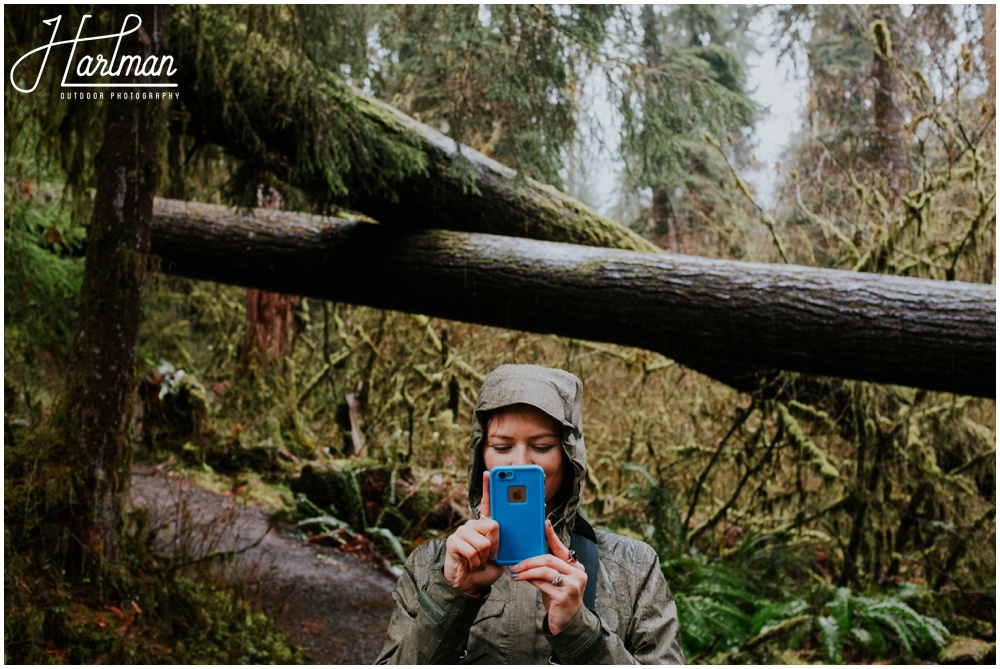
333, 604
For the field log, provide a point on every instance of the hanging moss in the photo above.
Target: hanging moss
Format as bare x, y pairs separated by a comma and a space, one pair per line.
802, 440
883, 39
252, 88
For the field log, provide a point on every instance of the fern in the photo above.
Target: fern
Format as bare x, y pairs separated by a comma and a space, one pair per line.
714, 604
42, 276
771, 615
870, 638
332, 525
721, 609
878, 624
840, 610
392, 540
328, 522
830, 636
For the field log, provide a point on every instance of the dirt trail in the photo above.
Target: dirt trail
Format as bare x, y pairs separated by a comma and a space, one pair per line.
333, 605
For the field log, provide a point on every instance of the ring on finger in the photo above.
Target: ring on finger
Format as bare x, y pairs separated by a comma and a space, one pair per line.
572, 557
557, 580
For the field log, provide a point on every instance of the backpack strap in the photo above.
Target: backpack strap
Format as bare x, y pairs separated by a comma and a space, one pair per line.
584, 542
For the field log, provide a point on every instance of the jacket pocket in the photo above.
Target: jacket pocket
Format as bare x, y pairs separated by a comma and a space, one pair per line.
488, 640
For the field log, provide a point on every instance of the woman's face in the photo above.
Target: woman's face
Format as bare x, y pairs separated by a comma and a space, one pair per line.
525, 435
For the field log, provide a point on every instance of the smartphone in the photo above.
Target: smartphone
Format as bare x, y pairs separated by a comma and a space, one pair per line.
517, 503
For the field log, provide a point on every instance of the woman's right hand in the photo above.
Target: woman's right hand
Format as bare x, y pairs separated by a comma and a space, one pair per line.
470, 551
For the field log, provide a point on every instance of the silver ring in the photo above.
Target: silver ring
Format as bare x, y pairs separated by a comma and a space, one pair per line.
557, 580
572, 556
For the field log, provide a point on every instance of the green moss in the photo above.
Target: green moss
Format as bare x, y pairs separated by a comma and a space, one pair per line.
162, 620
802, 440
964, 650
272, 432
290, 123
176, 411
552, 215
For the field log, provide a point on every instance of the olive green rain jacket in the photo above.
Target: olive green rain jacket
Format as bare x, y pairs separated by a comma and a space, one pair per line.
634, 619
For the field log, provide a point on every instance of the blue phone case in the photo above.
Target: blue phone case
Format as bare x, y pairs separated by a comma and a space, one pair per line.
517, 503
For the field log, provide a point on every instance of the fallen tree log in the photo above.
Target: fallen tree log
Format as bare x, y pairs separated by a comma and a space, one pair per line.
349, 149
467, 191
723, 318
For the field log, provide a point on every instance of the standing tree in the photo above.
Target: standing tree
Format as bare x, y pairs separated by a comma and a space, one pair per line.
73, 471
96, 408
890, 143
989, 59
894, 126
90, 452
270, 316
686, 92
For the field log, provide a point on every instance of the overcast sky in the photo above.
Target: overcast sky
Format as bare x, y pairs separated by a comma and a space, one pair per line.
784, 95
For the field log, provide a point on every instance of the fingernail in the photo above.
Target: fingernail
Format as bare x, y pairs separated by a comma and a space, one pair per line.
482, 567
493, 557
513, 574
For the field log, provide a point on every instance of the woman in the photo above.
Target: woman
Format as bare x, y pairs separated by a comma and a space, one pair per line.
453, 604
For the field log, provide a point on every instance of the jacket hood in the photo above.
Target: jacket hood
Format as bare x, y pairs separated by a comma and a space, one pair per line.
554, 391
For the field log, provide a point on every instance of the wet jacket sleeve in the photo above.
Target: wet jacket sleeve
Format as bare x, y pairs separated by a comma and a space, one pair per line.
652, 635
431, 620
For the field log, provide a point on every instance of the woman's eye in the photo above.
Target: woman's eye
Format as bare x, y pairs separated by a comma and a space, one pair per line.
500, 448
543, 448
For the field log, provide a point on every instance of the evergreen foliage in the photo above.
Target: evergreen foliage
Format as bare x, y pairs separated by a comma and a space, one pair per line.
685, 95
502, 79
846, 209
840, 195
50, 137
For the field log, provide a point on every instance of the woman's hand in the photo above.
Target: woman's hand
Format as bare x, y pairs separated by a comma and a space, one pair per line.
470, 551
561, 578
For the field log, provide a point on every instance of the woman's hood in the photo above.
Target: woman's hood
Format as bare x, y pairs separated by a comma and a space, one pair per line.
560, 395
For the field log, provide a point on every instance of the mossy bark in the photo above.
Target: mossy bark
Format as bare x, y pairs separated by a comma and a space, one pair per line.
464, 190
724, 318
93, 444
890, 148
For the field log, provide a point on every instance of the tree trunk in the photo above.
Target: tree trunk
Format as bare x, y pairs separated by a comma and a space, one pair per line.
724, 318
95, 410
990, 61
890, 144
270, 316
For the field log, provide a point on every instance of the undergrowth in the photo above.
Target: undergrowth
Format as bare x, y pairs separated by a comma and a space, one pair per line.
144, 612
760, 599
731, 612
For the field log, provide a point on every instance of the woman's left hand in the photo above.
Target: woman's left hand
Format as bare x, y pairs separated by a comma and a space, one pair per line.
561, 578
